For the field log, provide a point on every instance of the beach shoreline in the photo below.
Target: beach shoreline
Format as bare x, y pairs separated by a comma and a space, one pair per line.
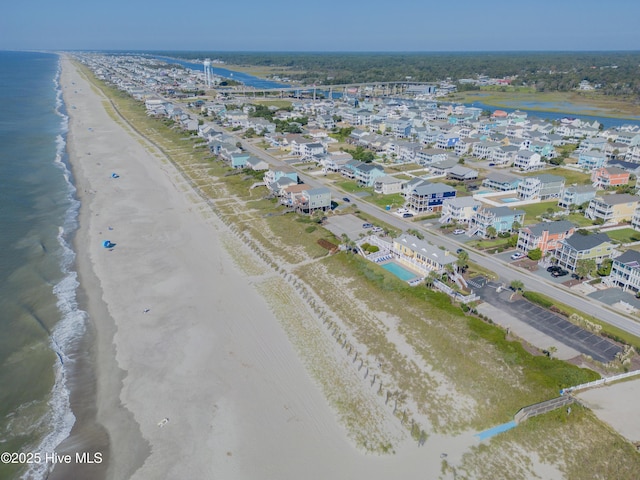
185, 342
96, 380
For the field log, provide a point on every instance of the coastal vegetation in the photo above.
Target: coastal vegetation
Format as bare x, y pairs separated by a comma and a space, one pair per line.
614, 73
431, 368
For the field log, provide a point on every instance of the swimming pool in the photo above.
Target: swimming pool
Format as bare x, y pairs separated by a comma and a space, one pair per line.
400, 272
509, 200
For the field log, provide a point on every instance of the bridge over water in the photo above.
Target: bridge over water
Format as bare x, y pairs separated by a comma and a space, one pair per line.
374, 89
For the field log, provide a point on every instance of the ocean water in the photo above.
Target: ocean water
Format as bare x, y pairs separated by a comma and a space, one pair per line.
39, 317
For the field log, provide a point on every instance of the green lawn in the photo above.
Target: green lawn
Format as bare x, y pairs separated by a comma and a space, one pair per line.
533, 211
624, 235
580, 220
571, 176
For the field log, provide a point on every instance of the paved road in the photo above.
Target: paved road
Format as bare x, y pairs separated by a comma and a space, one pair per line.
506, 272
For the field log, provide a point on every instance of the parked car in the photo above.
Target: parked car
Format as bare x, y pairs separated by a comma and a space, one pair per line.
377, 229
517, 256
458, 231
554, 268
559, 273
407, 215
367, 225
346, 199
459, 251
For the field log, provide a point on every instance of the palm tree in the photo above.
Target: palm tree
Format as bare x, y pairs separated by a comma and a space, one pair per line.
431, 278
463, 261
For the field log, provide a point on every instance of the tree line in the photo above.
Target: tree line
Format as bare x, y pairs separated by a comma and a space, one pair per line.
615, 73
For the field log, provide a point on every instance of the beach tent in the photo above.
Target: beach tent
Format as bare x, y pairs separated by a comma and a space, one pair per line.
108, 244
115, 175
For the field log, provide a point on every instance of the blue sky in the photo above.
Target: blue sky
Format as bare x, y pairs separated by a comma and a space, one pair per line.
331, 25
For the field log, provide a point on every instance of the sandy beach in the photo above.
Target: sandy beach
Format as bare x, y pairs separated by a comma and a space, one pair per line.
195, 376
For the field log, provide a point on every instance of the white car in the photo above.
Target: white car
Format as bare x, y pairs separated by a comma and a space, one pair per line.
517, 256
458, 231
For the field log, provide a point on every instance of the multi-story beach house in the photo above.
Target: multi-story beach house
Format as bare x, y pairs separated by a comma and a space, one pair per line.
614, 208
592, 159
364, 173
421, 255
312, 200
576, 195
502, 219
605, 177
501, 182
428, 197
427, 156
545, 235
528, 161
596, 246
458, 210
625, 271
541, 187
387, 185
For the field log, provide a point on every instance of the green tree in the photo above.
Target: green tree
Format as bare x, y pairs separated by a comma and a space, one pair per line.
463, 261
431, 278
535, 254
605, 267
517, 285
492, 232
585, 266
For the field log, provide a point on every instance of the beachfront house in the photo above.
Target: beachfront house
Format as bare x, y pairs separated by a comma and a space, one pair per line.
502, 219
545, 235
257, 164
615, 208
312, 200
421, 255
581, 246
428, 197
278, 180
238, 160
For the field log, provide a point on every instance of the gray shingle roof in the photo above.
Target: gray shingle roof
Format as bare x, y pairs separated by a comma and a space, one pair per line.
580, 242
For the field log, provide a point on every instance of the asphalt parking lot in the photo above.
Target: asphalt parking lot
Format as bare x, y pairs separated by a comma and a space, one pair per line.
549, 323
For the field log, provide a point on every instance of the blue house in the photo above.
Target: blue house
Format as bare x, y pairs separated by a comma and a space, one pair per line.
238, 160
577, 195
592, 159
364, 173
428, 197
500, 218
